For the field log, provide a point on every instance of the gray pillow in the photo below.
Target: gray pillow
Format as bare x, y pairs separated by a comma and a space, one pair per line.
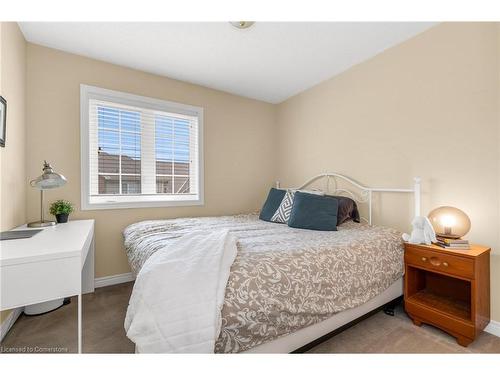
314, 212
348, 210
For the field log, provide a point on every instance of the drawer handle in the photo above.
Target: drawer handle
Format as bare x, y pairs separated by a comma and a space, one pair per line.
445, 264
424, 259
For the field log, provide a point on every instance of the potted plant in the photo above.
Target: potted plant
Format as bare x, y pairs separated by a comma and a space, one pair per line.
61, 210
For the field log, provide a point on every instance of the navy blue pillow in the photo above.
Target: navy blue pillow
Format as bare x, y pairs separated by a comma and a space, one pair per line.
316, 212
272, 203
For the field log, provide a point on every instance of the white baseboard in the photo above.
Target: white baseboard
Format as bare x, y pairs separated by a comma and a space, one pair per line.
493, 328
9, 322
99, 282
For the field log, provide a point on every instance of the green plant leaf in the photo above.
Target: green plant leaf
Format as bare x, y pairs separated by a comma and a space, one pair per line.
61, 206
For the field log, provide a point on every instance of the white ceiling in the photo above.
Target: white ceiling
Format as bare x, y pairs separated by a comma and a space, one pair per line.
270, 61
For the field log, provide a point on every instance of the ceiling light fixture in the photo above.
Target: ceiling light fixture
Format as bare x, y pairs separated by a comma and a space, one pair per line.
242, 24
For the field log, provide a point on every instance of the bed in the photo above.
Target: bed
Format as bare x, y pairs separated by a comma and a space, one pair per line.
288, 287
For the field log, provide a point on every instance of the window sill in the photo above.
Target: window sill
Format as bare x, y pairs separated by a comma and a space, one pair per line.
124, 202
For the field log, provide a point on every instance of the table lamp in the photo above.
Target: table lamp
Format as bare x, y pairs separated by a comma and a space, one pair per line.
47, 180
449, 222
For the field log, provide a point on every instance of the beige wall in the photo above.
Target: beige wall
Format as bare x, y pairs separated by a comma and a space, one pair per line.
12, 88
428, 107
239, 154
12, 157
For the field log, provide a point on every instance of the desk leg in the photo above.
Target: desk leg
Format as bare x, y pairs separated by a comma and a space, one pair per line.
88, 270
80, 323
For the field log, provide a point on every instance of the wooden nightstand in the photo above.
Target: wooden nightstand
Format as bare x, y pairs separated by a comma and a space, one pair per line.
449, 289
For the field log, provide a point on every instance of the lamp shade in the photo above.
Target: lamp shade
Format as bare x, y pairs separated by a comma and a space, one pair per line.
48, 179
449, 222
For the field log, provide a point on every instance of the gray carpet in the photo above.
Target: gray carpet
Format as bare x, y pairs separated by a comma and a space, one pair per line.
104, 313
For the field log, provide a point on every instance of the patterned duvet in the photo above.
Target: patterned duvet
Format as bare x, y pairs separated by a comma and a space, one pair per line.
284, 279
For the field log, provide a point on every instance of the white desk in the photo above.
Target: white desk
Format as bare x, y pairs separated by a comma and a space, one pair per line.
55, 263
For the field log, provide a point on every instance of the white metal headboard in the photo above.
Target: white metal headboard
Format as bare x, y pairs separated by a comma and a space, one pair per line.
366, 192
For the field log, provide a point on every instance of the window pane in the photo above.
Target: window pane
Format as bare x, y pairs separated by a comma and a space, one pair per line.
131, 184
131, 153
109, 139
128, 136
119, 143
131, 144
108, 151
130, 121
163, 148
181, 140
163, 126
108, 118
108, 184
172, 145
181, 128
130, 165
181, 168
163, 167
181, 185
108, 163
181, 153
164, 184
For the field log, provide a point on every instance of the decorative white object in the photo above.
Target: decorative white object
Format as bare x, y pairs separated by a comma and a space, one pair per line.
422, 233
55, 263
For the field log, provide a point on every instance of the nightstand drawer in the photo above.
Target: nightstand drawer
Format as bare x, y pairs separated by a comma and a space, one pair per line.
430, 260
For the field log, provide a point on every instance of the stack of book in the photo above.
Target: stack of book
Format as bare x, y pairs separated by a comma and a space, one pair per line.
449, 243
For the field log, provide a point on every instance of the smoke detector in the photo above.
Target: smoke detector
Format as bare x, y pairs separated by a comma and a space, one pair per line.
242, 24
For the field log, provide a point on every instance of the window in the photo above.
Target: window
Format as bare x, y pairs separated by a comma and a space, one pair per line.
138, 151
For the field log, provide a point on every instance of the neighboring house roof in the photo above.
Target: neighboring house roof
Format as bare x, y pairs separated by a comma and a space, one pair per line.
109, 163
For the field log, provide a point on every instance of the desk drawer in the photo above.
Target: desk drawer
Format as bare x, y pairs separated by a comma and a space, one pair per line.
28, 283
430, 260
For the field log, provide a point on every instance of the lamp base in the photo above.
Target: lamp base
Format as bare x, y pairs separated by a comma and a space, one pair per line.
41, 224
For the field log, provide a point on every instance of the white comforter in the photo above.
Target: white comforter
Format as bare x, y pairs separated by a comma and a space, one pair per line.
178, 295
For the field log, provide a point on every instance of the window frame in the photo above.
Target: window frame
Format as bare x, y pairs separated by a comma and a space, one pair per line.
106, 202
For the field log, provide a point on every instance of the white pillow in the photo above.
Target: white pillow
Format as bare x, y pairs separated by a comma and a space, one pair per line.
282, 214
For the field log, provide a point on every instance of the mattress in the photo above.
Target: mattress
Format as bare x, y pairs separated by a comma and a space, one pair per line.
283, 279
